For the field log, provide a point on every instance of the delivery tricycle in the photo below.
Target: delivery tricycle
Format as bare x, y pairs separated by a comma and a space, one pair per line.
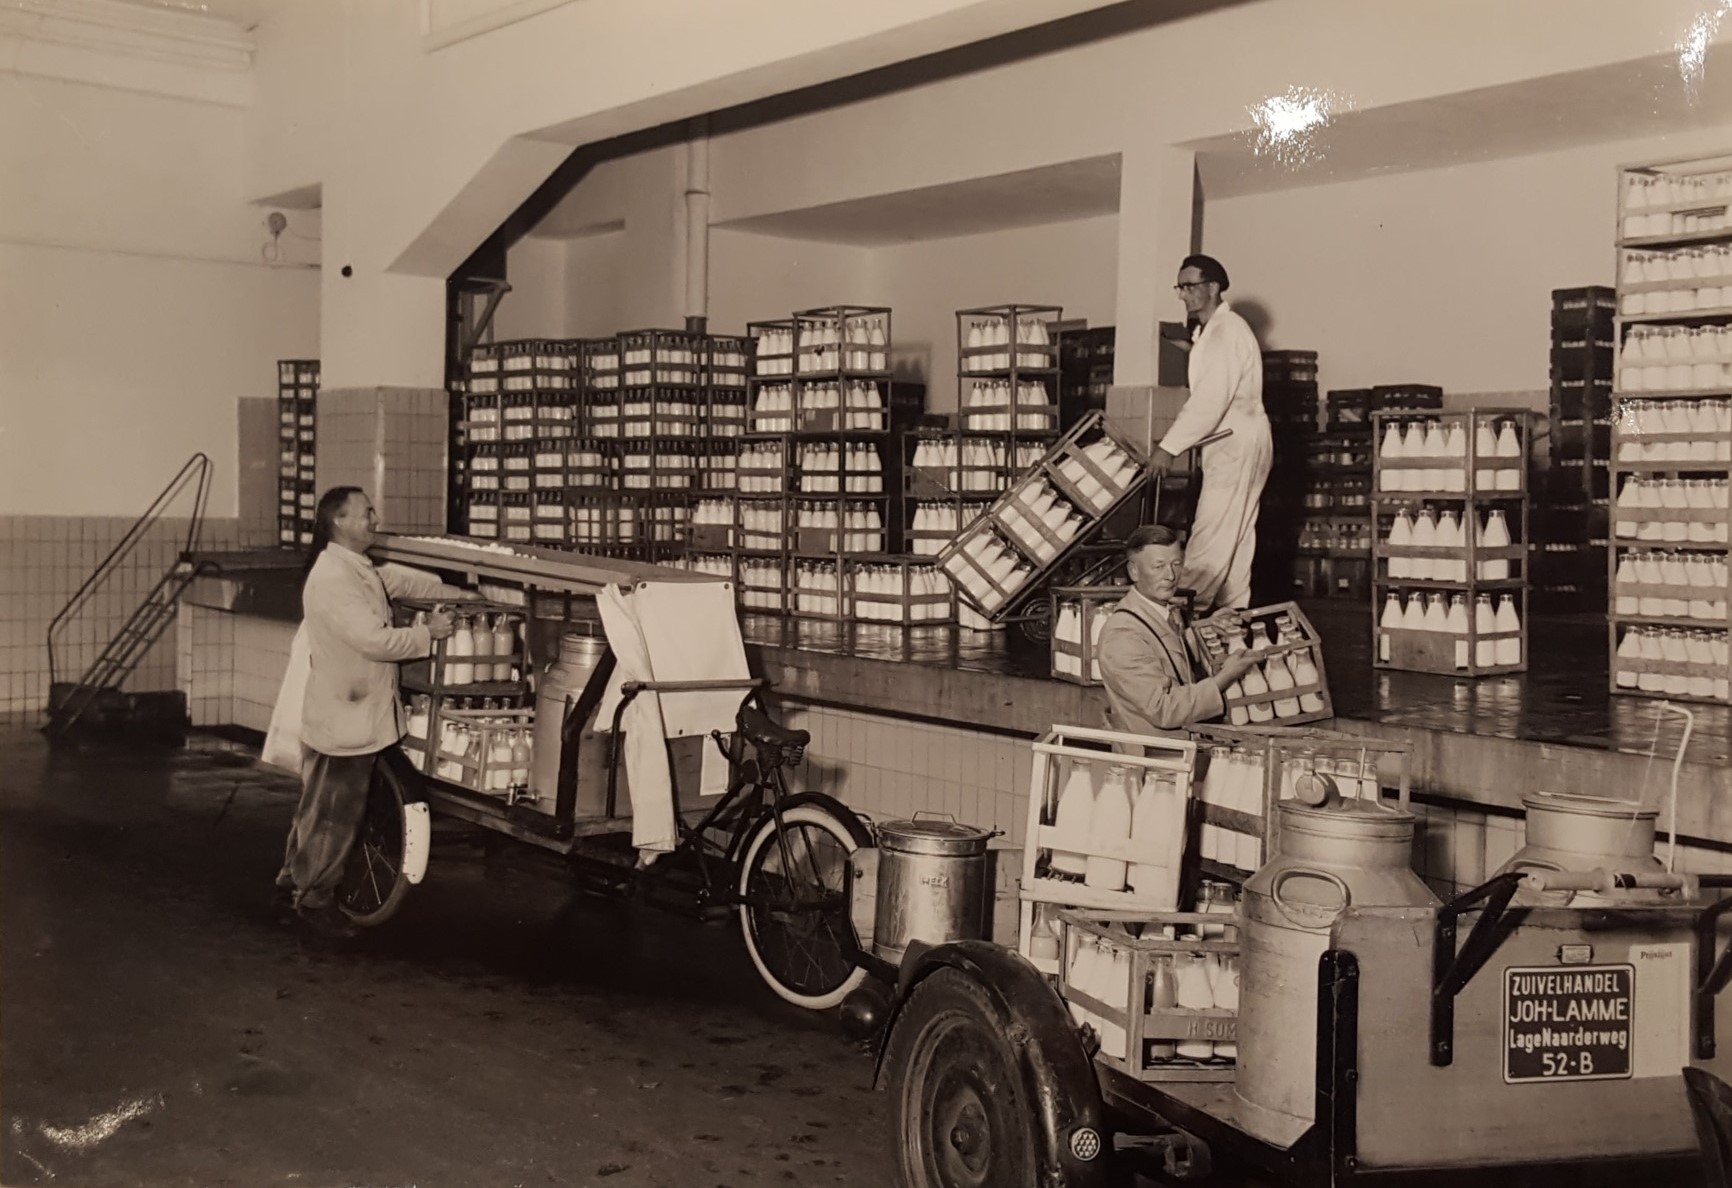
551, 778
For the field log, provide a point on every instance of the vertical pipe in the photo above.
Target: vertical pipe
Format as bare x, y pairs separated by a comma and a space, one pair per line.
698, 225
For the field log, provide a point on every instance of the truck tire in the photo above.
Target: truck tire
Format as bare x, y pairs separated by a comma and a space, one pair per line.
958, 1112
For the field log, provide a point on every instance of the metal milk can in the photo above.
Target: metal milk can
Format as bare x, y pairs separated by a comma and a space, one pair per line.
1585, 833
931, 885
564, 678
1336, 854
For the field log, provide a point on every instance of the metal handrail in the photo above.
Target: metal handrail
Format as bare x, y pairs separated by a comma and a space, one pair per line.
198, 465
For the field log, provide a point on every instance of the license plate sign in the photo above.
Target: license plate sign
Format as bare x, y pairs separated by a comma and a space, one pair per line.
1568, 1023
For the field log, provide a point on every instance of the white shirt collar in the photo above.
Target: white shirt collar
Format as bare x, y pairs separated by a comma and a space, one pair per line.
349, 556
1159, 610
1198, 331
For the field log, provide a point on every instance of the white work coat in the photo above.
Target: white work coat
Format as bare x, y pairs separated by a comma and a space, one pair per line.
351, 705
1226, 381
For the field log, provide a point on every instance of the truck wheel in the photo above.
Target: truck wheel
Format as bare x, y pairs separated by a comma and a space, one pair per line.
959, 1115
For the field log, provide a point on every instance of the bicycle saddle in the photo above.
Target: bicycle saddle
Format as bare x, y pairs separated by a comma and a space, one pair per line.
758, 726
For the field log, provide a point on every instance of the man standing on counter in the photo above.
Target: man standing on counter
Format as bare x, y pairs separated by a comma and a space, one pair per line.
1144, 665
1225, 375
351, 711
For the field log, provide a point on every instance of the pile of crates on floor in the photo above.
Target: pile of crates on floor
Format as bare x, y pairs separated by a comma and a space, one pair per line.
1570, 529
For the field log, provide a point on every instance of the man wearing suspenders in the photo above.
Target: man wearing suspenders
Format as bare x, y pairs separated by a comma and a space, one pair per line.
1142, 646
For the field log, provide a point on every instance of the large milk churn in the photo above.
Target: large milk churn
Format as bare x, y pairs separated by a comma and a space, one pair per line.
1567, 832
565, 678
931, 885
1337, 854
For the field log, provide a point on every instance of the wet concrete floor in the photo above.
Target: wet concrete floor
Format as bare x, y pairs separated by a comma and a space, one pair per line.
159, 1027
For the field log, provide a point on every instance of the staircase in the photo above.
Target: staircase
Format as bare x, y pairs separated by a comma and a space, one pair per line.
121, 655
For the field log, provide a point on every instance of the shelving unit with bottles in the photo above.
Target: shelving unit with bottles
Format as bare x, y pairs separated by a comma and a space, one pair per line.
1672, 432
1455, 605
297, 420
819, 472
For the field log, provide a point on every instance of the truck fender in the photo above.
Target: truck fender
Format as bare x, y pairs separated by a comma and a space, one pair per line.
1058, 1077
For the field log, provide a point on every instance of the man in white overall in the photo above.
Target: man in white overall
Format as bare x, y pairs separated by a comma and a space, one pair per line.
1226, 382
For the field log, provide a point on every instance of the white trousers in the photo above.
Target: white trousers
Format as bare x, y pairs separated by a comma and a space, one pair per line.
1224, 534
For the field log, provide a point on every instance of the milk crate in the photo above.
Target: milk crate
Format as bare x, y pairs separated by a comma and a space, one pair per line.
1136, 1037
460, 745
883, 590
1075, 656
1067, 753
433, 674
1281, 633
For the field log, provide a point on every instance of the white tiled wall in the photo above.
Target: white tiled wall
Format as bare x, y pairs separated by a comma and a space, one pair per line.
232, 668
44, 560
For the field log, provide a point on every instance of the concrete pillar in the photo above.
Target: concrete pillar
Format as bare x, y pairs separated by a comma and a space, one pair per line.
1158, 225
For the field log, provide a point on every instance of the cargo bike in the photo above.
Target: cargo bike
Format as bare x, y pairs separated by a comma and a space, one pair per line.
760, 852
1555, 1025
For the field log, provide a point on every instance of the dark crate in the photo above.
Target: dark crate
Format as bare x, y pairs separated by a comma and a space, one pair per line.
1581, 363
1588, 305
1578, 440
1406, 398
1578, 400
1349, 407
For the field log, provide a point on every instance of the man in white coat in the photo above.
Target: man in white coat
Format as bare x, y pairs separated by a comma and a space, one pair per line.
351, 711
1226, 382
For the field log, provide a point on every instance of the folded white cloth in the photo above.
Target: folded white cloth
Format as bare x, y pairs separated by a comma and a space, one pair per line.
680, 631
283, 739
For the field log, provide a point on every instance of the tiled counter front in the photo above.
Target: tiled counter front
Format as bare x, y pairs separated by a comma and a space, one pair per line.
887, 768
882, 767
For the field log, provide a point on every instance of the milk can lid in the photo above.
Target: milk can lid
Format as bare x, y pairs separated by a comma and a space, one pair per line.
933, 835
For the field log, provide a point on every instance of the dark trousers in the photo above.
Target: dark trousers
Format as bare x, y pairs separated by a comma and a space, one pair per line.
327, 822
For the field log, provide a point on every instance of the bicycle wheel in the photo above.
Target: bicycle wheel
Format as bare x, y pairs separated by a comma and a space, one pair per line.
374, 881
795, 917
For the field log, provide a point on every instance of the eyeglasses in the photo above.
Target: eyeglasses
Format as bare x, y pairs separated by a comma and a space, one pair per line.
1186, 286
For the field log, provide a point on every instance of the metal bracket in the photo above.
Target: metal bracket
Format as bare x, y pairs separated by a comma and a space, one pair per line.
1451, 971
1337, 1106
493, 289
1713, 967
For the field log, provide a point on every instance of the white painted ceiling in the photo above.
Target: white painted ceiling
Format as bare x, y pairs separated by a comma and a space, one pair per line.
1050, 194
1631, 100
243, 14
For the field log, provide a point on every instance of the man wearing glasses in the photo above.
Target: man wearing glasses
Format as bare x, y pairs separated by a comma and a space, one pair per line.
1144, 666
1226, 382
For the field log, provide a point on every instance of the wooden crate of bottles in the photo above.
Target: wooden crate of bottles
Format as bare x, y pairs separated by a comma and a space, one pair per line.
905, 591
452, 670
1086, 475
1160, 989
483, 750
1245, 772
1079, 854
1289, 684
1078, 613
